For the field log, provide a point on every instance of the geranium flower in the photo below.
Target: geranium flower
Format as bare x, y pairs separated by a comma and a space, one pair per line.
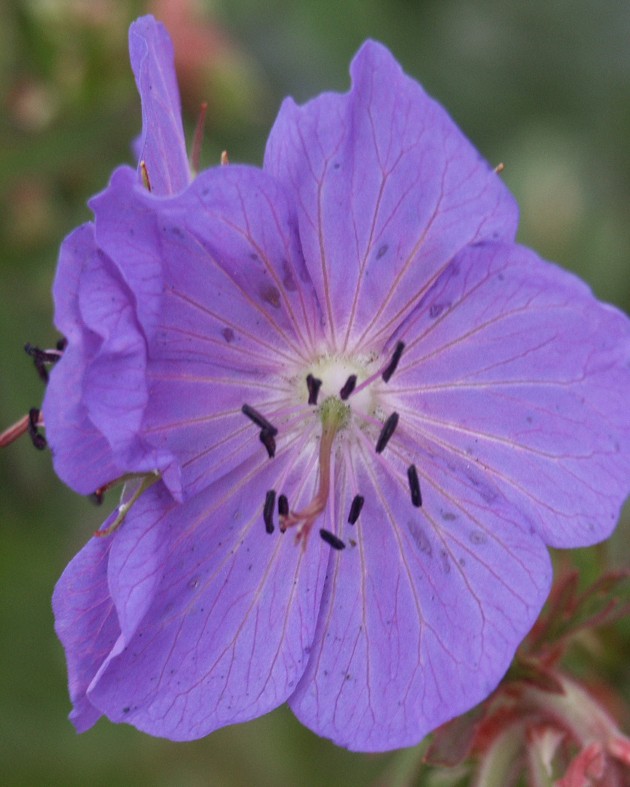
353, 410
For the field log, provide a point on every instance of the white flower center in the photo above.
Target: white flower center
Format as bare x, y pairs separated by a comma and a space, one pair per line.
334, 372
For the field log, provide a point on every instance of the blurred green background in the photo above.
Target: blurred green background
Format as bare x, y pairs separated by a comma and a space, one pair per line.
542, 86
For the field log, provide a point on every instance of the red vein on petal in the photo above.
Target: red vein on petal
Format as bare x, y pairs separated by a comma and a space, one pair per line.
262, 254
246, 296
269, 347
507, 480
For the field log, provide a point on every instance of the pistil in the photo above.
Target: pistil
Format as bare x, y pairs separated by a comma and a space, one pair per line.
334, 415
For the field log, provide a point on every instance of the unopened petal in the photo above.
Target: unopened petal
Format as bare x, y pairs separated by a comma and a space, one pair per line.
162, 147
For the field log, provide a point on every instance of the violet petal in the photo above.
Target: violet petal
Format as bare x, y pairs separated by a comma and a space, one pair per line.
86, 623
229, 318
421, 619
387, 189
232, 609
512, 364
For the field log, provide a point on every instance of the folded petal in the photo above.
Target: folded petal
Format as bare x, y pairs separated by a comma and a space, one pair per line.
421, 618
232, 612
387, 189
232, 320
86, 623
512, 365
162, 147
97, 394
82, 455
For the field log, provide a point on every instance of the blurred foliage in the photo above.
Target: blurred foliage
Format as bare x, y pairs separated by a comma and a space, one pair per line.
540, 86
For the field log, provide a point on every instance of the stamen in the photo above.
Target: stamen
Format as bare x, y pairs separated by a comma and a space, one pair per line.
313, 384
270, 501
38, 440
42, 357
414, 486
389, 427
48, 356
268, 440
355, 509
224, 158
385, 372
391, 367
144, 173
331, 539
259, 420
283, 505
14, 431
123, 509
97, 497
195, 155
62, 344
348, 387
146, 479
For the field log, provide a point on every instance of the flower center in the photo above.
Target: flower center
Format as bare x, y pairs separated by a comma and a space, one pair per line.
344, 393
339, 377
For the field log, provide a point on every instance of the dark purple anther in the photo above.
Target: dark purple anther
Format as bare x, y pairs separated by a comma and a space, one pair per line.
389, 427
348, 387
391, 367
355, 509
331, 539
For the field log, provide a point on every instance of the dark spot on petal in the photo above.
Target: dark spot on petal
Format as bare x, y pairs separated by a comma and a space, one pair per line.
287, 279
448, 516
477, 537
126, 710
445, 563
253, 255
336, 165
271, 294
228, 335
437, 308
420, 538
485, 492
382, 251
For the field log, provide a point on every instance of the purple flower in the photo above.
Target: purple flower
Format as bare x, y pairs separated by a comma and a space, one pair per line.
349, 344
